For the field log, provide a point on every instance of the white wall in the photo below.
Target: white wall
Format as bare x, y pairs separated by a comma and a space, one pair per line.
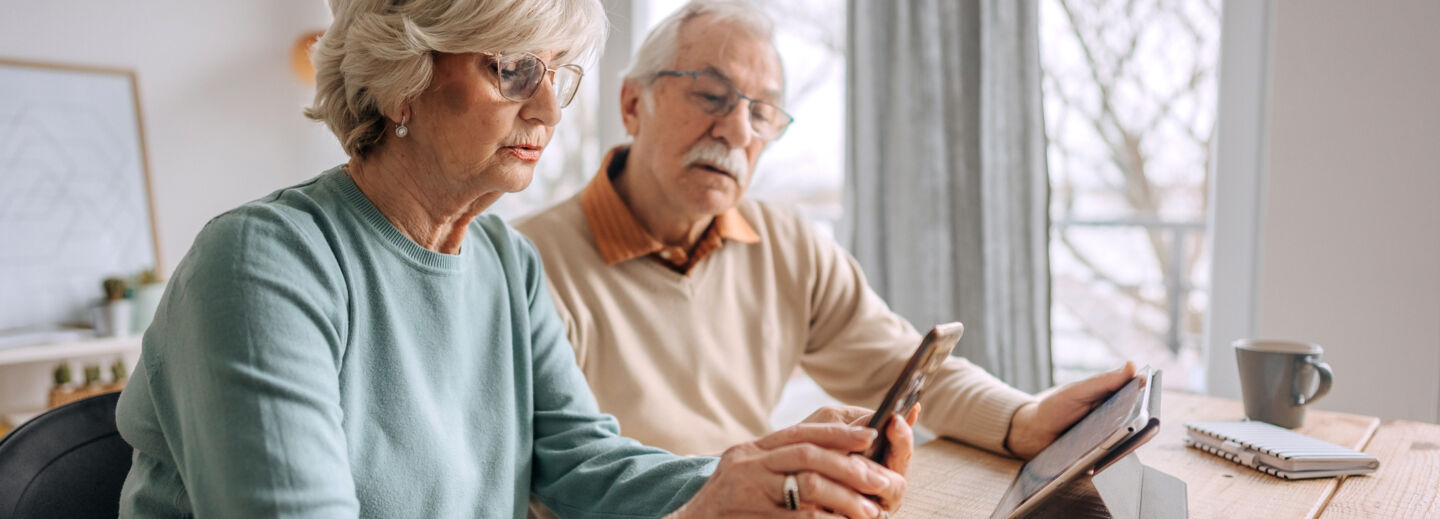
1350, 237
220, 104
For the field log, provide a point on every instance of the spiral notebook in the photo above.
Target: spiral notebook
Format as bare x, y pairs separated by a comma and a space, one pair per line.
1277, 451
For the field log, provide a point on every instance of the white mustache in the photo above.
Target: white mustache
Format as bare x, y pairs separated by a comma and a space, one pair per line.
731, 160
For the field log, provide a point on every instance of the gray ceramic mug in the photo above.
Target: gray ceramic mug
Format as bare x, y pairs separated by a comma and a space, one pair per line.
1276, 377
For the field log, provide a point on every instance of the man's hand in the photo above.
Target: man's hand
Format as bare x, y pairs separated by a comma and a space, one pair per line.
1037, 424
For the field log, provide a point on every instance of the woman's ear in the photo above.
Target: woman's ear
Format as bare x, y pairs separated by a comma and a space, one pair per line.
400, 115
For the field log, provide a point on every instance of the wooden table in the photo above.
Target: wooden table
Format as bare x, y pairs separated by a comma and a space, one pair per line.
949, 479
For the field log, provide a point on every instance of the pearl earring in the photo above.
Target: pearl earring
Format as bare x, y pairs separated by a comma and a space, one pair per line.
401, 131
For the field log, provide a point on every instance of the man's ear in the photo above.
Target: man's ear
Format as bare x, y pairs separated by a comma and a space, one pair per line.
630, 106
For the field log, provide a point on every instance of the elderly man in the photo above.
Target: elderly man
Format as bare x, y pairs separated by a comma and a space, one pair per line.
687, 304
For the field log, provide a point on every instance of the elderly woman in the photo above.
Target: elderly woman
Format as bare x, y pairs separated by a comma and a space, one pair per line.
367, 343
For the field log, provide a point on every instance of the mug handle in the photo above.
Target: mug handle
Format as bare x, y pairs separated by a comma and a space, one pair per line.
1323, 370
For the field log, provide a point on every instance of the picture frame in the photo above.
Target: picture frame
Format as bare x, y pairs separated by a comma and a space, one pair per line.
76, 198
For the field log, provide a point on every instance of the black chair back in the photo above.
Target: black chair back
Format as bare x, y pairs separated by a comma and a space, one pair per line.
68, 462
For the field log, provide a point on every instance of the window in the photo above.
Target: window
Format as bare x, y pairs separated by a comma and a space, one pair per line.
1129, 96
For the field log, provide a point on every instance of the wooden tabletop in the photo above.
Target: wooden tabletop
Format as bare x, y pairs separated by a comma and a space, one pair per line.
949, 479
1408, 482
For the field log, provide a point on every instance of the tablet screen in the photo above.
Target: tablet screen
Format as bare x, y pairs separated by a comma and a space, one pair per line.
1083, 437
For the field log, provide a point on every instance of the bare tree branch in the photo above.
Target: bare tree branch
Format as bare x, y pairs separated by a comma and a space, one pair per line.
1110, 36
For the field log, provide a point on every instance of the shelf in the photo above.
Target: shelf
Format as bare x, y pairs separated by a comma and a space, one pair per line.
69, 350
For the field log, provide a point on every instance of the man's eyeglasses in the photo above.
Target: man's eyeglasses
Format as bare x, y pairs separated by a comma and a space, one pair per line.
518, 77
714, 95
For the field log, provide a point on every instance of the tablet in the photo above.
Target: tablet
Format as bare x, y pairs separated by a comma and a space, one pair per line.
908, 387
1121, 424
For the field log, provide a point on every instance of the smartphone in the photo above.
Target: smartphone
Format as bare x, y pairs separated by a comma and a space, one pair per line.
906, 390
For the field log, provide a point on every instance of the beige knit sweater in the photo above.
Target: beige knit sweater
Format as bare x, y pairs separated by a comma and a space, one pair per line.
696, 363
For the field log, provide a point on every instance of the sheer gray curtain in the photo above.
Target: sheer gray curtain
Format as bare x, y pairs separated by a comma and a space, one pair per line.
946, 194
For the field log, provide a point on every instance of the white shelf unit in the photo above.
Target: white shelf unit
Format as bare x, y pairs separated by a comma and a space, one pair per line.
26, 371
69, 350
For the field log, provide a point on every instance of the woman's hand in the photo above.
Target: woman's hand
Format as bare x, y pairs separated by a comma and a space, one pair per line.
902, 437
750, 479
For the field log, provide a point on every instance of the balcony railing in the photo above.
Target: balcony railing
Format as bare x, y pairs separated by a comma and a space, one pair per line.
1177, 280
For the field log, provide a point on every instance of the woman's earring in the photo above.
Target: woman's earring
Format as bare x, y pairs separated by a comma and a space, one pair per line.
401, 131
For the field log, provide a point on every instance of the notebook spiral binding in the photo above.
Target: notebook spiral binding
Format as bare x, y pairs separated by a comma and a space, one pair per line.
1242, 443
1236, 459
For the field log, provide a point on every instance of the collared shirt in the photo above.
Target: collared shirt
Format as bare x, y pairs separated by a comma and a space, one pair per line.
620, 237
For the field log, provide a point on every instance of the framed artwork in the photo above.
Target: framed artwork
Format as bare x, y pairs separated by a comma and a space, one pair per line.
75, 200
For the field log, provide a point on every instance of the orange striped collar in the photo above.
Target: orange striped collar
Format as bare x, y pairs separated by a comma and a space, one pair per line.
620, 237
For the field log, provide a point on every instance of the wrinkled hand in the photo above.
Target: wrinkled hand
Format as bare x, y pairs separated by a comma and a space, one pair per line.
902, 437
750, 478
1037, 424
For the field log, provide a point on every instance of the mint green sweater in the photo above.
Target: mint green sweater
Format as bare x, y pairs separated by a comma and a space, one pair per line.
309, 360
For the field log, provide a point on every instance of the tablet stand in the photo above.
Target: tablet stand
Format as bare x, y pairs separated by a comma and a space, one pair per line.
1125, 490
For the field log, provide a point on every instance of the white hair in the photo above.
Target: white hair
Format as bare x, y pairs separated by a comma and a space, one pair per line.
657, 52
378, 55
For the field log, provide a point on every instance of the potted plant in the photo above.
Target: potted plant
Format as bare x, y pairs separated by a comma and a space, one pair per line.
112, 318
145, 299
66, 391
63, 391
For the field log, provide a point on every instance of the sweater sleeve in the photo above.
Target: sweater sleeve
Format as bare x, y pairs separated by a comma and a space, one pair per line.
858, 346
567, 320
242, 374
582, 466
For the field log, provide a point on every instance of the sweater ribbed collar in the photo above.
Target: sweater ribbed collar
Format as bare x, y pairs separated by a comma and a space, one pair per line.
392, 237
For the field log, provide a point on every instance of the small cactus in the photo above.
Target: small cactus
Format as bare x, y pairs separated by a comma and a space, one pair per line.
114, 289
92, 374
62, 374
118, 371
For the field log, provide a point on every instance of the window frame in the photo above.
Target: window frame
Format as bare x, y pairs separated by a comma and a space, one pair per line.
1237, 186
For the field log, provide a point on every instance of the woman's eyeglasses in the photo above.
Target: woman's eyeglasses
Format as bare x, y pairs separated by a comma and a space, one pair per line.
714, 95
518, 77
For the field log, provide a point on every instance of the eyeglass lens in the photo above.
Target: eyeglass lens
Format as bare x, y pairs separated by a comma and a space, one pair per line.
521, 74
716, 97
